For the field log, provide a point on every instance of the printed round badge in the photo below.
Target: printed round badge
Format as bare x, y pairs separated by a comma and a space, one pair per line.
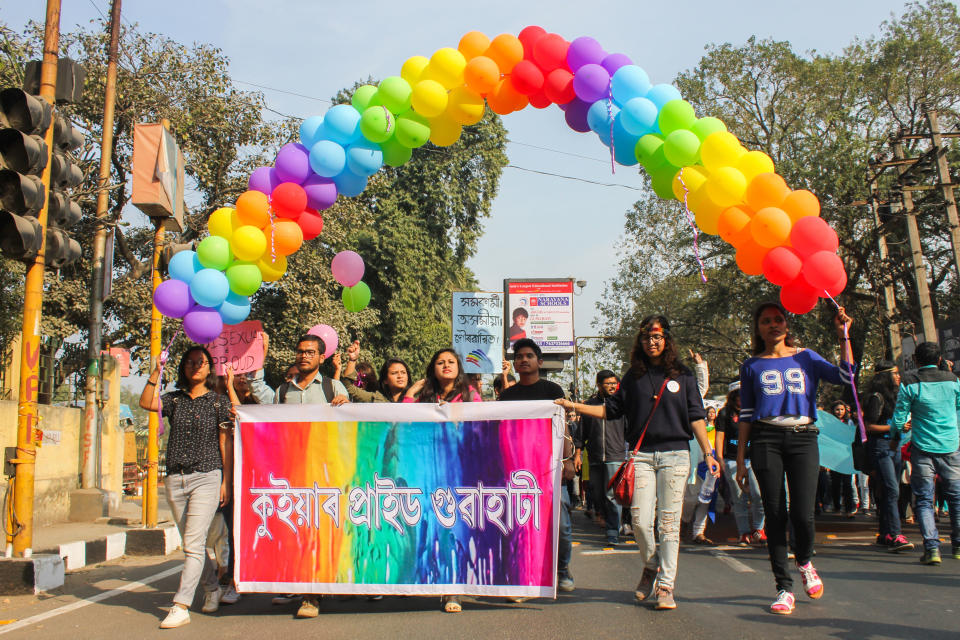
673, 386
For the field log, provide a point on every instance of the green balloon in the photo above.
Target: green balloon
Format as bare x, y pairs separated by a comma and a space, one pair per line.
394, 153
676, 114
377, 124
662, 181
413, 130
356, 298
362, 96
682, 147
705, 126
646, 147
395, 94
244, 278
214, 253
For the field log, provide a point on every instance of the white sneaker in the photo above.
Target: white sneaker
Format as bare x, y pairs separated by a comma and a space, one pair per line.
230, 596
211, 601
177, 617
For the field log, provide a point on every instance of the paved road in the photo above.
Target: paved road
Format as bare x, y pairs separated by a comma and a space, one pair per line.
722, 592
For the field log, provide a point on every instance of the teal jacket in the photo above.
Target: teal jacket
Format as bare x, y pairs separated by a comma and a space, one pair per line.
932, 398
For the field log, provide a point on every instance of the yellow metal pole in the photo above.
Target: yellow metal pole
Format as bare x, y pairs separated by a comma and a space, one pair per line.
27, 413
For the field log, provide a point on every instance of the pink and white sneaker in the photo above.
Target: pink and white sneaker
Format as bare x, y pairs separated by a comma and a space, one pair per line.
812, 583
784, 603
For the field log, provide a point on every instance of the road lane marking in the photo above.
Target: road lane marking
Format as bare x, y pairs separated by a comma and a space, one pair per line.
73, 606
731, 562
609, 552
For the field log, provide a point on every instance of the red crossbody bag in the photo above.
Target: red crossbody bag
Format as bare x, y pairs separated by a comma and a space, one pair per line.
622, 480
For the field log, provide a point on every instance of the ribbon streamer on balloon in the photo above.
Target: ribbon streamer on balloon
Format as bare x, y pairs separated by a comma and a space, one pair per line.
693, 225
853, 384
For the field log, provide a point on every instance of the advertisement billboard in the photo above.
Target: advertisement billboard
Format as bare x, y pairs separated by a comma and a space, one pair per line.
540, 309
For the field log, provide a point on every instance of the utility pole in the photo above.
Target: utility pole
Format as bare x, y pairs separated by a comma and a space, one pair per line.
889, 295
91, 431
27, 412
913, 235
943, 171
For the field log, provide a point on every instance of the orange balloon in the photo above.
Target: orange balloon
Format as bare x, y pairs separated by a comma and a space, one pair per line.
800, 204
708, 220
506, 50
286, 236
473, 44
504, 98
750, 258
253, 208
770, 227
481, 75
732, 222
766, 190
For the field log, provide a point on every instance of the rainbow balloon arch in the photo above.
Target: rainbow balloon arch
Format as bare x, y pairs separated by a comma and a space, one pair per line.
730, 191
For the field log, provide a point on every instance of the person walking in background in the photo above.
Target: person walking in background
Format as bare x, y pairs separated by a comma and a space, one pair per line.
932, 397
199, 470
747, 504
778, 390
707, 485
605, 443
842, 487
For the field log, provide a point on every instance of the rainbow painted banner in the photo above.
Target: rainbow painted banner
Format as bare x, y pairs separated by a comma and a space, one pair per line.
410, 499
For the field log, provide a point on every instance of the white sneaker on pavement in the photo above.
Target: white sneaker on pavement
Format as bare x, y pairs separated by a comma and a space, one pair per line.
177, 617
230, 596
211, 601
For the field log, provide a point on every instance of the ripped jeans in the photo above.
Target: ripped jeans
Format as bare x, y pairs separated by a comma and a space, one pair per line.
660, 478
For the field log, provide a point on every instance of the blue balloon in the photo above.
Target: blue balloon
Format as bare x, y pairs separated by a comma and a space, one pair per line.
364, 158
598, 117
342, 124
234, 309
350, 184
661, 94
624, 143
639, 117
184, 265
209, 287
311, 131
629, 81
327, 158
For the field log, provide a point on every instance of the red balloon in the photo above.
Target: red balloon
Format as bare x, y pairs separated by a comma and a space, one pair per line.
559, 86
781, 266
288, 200
822, 270
310, 223
798, 297
837, 287
811, 234
540, 100
529, 37
550, 52
527, 78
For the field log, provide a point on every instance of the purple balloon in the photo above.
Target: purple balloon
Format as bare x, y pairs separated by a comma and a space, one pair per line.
321, 192
614, 61
172, 298
263, 179
293, 163
591, 82
576, 115
583, 51
203, 325
347, 267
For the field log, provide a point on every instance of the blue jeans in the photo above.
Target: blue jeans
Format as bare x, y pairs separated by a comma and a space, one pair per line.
600, 475
926, 466
659, 481
565, 546
193, 500
887, 463
749, 517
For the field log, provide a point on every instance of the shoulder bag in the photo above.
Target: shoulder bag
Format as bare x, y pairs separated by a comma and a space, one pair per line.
622, 480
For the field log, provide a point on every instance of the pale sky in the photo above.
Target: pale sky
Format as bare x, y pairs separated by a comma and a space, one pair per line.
541, 225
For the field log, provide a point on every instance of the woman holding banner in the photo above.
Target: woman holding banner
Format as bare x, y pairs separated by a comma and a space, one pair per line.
199, 470
363, 385
778, 413
664, 409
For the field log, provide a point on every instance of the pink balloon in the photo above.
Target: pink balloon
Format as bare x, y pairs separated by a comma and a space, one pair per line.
329, 336
347, 267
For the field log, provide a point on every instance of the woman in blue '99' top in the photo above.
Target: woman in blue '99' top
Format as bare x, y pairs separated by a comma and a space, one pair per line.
778, 412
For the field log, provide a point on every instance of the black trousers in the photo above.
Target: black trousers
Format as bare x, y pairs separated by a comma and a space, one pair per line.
778, 455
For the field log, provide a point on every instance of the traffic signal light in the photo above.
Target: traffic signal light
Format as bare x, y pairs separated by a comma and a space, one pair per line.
62, 212
23, 157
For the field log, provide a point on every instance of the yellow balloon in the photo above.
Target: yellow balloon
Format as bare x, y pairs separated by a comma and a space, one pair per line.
708, 220
222, 222
429, 98
693, 177
413, 68
753, 163
248, 243
444, 132
464, 106
446, 66
720, 149
726, 186
272, 270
